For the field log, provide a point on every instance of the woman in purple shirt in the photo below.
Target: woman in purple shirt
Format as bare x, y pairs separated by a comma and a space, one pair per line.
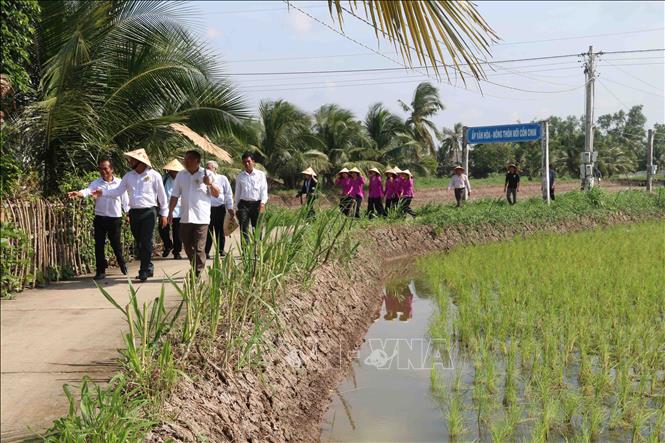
406, 194
344, 182
357, 191
375, 198
392, 194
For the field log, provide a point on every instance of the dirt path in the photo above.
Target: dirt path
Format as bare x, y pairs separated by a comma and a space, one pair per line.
442, 195
57, 335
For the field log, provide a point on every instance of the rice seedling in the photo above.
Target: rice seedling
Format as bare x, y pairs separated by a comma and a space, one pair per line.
575, 320
456, 417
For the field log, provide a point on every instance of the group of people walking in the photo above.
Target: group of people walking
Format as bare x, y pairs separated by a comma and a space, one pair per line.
395, 194
192, 202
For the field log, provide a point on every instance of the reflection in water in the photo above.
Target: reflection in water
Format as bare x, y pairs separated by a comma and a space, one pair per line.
386, 398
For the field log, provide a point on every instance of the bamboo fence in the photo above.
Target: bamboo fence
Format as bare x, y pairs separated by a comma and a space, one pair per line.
60, 238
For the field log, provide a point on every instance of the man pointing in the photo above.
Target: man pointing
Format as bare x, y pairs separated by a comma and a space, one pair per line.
146, 191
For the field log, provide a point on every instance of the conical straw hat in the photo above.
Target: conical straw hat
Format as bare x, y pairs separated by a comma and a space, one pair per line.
356, 170
173, 165
396, 170
140, 155
375, 170
390, 171
458, 167
343, 170
407, 172
309, 171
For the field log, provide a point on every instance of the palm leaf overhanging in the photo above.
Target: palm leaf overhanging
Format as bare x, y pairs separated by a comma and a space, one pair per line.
117, 74
427, 27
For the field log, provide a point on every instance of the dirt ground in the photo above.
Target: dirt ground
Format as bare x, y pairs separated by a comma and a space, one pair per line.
442, 195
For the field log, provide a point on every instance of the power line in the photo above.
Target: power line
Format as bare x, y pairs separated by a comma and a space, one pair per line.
640, 31
613, 95
634, 76
634, 88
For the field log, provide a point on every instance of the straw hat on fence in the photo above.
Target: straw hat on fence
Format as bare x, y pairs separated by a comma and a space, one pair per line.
174, 165
375, 170
140, 155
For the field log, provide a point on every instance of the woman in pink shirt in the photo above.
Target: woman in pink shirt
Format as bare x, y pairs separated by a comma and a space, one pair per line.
357, 191
392, 193
344, 182
375, 198
406, 194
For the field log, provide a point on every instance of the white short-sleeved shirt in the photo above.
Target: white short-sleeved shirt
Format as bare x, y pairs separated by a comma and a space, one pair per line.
105, 205
194, 197
168, 187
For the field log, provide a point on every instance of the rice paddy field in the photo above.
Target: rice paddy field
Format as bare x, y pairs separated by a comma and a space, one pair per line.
555, 337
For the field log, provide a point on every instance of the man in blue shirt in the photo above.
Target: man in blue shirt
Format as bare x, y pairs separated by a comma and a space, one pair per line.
172, 168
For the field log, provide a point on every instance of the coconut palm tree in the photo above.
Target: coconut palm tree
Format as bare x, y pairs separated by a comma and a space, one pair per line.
382, 126
116, 74
424, 27
425, 104
344, 138
451, 143
287, 144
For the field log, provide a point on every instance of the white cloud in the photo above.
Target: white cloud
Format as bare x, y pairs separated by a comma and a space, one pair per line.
213, 32
299, 22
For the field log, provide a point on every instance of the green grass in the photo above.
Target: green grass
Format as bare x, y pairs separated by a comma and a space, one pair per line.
227, 313
568, 206
493, 179
575, 322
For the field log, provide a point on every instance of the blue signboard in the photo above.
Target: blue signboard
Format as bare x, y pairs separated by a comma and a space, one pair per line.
503, 133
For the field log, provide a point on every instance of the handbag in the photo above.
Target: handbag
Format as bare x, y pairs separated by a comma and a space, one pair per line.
230, 224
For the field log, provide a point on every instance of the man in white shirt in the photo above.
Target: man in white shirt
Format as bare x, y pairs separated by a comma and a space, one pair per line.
194, 187
459, 182
218, 208
146, 192
170, 234
251, 195
108, 217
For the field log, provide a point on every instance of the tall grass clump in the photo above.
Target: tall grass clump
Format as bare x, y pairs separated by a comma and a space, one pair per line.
223, 316
573, 325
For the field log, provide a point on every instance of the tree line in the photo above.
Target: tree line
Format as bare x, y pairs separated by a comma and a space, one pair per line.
95, 79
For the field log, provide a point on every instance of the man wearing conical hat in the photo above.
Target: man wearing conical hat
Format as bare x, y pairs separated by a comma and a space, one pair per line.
170, 233
108, 217
308, 189
459, 182
146, 192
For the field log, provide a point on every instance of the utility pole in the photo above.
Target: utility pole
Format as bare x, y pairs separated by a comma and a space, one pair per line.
545, 145
588, 157
651, 168
465, 155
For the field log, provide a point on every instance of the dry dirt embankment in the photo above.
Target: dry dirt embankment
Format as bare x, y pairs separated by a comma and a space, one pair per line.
286, 400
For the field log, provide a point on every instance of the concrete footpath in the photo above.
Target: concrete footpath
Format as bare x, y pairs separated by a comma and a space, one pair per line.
58, 334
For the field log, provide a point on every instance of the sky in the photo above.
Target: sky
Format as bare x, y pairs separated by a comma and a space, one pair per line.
269, 37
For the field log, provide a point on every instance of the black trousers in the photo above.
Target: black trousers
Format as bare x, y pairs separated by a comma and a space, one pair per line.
460, 194
142, 221
107, 227
345, 204
216, 226
165, 234
358, 201
391, 203
248, 213
405, 206
511, 195
374, 207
